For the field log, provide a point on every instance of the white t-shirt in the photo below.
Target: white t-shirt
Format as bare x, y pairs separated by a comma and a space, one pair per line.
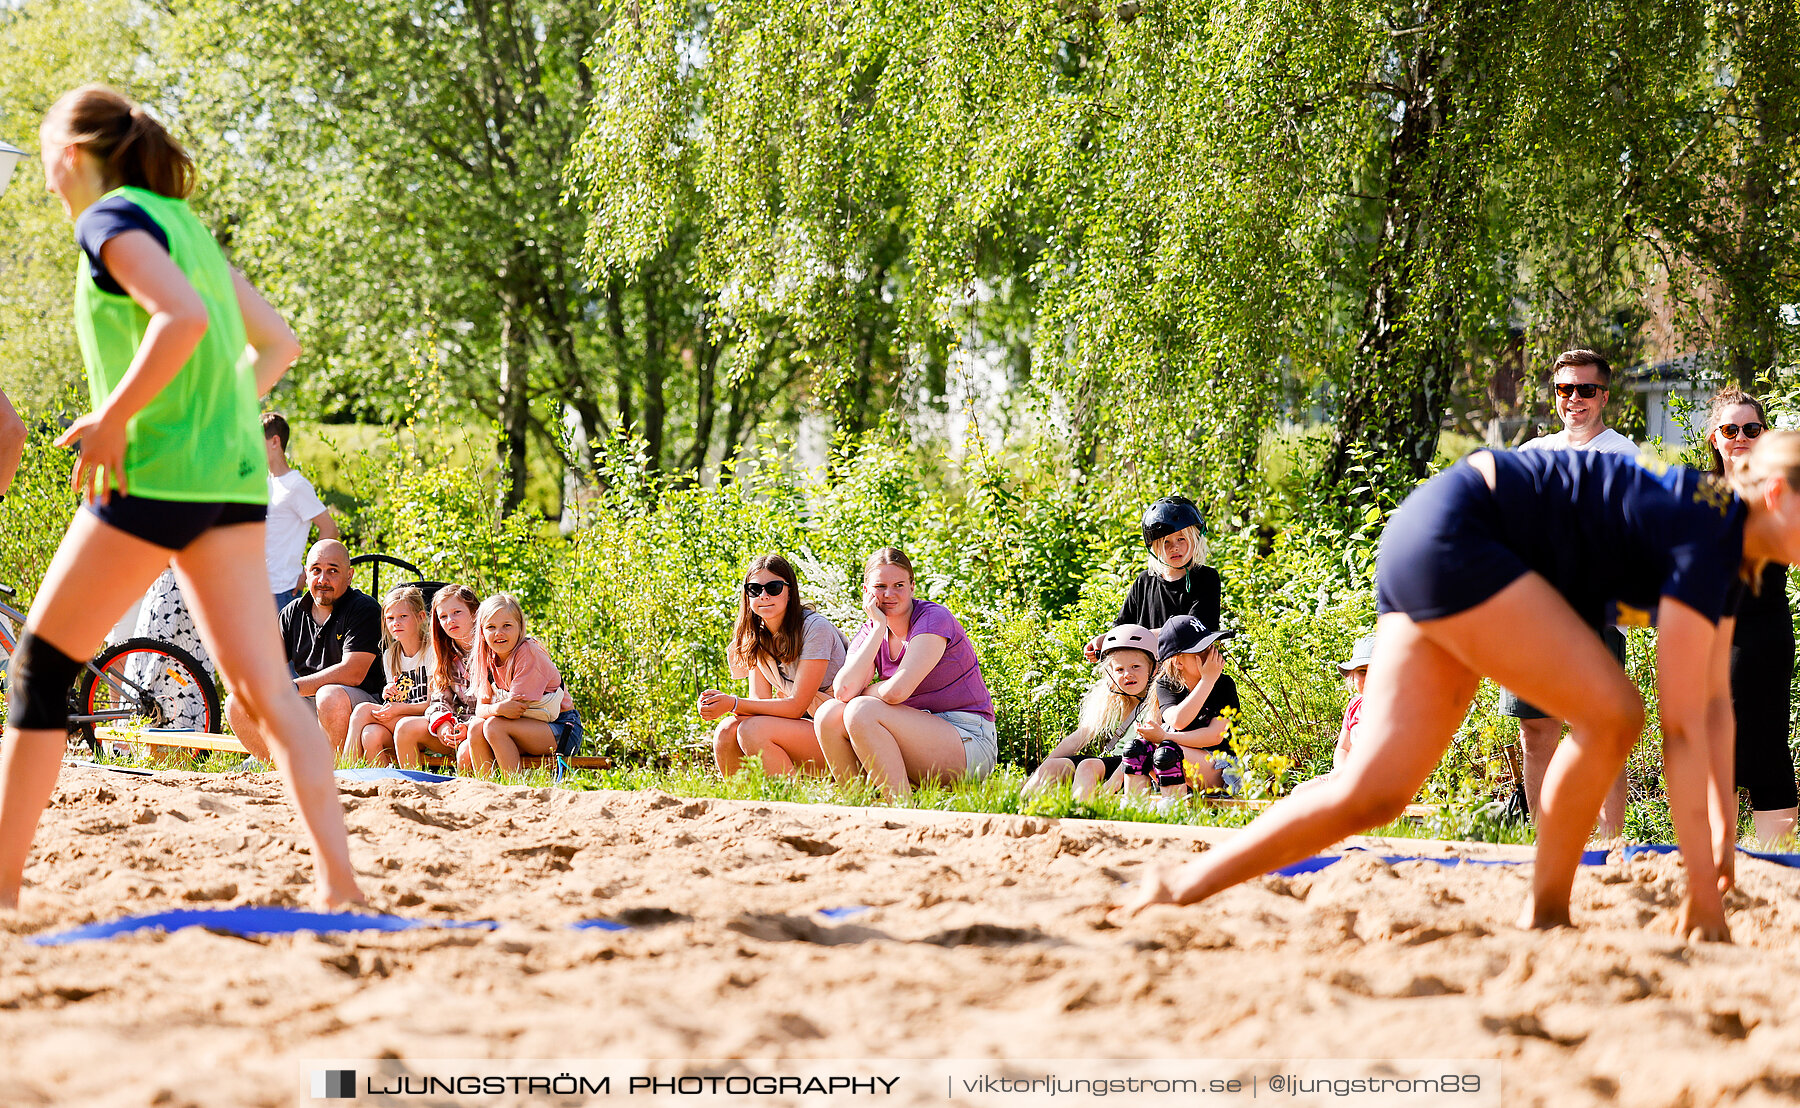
292, 507
1608, 441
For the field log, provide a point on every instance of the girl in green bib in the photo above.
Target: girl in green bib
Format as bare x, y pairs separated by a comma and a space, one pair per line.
179, 348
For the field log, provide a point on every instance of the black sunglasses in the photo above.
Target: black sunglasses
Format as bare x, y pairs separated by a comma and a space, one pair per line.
1751, 430
754, 589
1586, 392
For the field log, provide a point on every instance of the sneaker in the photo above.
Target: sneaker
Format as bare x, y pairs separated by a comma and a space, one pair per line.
1165, 805
253, 764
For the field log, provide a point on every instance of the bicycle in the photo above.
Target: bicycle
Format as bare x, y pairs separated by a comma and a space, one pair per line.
140, 679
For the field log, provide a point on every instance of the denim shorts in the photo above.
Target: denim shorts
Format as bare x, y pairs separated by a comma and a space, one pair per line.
566, 730
981, 740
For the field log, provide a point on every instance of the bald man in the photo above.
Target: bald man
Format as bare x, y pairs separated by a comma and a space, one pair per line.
332, 636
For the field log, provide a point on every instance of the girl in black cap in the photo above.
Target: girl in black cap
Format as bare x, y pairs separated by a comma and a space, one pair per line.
1481, 568
1176, 581
1189, 720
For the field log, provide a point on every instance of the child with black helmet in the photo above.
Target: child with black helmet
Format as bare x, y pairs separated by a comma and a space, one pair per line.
1176, 581
1189, 722
1112, 704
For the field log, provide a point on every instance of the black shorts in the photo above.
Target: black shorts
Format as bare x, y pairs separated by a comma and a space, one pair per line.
1443, 551
171, 524
1110, 761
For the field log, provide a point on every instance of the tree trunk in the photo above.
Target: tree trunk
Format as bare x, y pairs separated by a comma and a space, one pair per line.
515, 410
1401, 372
655, 372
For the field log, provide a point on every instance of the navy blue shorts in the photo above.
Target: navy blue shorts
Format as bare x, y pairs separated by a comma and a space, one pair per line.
566, 730
171, 524
1443, 552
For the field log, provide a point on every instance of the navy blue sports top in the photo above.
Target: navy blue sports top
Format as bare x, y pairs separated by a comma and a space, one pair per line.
1616, 534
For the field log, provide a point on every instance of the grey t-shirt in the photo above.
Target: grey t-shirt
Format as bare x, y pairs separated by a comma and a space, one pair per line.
819, 638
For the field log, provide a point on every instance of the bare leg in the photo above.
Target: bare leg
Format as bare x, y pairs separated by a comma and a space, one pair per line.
1087, 777
246, 730
510, 738
375, 740
834, 742
1538, 738
785, 745
1774, 825
901, 745
1417, 693
1612, 809
412, 737
351, 745
727, 754
231, 607
479, 755
335, 707
1047, 775
97, 572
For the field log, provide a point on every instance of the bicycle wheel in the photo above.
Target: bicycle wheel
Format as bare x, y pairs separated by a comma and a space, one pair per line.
149, 680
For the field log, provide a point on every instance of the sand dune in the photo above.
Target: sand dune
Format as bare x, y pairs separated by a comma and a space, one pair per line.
986, 937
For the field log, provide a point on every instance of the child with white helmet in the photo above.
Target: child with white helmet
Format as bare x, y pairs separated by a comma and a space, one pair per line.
1110, 707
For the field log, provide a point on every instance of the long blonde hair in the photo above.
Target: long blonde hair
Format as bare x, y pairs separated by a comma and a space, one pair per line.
1105, 711
481, 659
393, 651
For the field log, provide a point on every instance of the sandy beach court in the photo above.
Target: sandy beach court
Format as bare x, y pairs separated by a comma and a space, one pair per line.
983, 937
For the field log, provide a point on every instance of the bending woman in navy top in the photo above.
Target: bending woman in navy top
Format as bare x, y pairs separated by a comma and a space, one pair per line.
909, 704
1483, 565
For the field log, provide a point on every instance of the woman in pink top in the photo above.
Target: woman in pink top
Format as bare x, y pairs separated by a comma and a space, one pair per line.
909, 704
521, 706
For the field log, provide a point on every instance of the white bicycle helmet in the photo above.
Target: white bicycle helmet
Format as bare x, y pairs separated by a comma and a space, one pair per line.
1129, 636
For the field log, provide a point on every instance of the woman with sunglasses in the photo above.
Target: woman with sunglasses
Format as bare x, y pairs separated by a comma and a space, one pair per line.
1486, 566
1762, 648
790, 654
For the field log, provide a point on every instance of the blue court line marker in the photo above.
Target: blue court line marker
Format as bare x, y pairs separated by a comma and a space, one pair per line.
391, 774
1588, 858
251, 920
599, 925
845, 912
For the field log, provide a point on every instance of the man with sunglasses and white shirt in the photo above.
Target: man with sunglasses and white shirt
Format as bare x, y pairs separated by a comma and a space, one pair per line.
1579, 386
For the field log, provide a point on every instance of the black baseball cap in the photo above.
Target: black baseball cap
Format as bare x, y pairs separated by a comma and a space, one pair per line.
1186, 635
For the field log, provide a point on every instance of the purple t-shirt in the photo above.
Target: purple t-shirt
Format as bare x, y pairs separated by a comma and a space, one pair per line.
954, 684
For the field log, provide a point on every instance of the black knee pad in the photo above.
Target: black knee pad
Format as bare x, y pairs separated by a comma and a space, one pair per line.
1137, 758
1169, 765
38, 680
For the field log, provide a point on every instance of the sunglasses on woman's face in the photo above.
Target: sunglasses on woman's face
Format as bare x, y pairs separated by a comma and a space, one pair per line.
754, 589
1750, 430
1586, 392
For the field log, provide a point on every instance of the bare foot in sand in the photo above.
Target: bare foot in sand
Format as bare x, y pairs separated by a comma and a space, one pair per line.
325, 900
1546, 918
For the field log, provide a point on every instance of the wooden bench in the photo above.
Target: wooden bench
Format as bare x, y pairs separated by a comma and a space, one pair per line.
184, 740
205, 740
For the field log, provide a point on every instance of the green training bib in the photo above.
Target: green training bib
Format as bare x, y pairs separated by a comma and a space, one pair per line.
200, 438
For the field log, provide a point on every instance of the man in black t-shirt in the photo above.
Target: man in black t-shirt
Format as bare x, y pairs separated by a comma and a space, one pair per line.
331, 634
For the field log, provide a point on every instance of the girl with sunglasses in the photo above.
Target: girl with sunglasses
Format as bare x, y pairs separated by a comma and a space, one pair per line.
790, 654
1500, 567
1762, 648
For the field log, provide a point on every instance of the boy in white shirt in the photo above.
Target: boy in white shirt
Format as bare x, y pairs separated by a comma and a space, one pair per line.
294, 510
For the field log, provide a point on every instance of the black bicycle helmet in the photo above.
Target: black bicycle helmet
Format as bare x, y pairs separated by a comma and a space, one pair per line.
1169, 515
